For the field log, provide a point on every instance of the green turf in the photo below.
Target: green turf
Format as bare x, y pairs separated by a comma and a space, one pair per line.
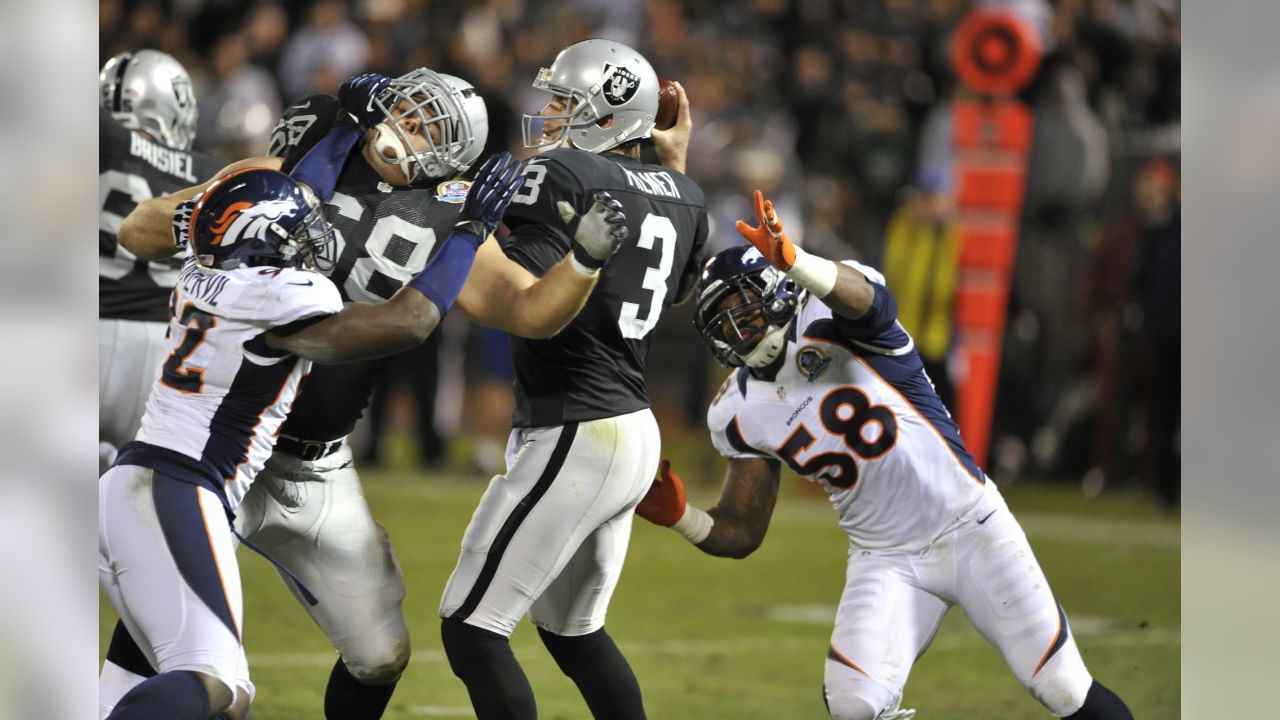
712, 638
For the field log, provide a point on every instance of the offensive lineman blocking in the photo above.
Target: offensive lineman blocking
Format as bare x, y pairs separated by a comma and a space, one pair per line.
829, 383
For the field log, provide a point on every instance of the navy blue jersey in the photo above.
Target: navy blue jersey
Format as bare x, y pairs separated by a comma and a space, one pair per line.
385, 236
132, 169
595, 367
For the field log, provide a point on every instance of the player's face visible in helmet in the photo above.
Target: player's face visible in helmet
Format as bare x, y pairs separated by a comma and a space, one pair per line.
747, 325
416, 132
554, 126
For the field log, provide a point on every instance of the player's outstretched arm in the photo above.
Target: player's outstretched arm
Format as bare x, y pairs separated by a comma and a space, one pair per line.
502, 294
363, 331
845, 290
148, 231
736, 525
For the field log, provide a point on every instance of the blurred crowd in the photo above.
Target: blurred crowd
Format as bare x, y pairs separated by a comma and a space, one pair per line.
838, 110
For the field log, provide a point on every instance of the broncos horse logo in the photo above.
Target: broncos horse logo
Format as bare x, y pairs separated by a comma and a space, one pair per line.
250, 221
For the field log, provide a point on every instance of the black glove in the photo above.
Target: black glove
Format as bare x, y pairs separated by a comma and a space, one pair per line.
358, 96
487, 200
601, 231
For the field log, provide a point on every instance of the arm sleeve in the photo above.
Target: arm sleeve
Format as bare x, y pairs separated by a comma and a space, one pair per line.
880, 320
539, 237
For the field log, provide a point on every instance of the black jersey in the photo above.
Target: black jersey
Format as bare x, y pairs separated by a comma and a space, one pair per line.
131, 169
385, 235
595, 367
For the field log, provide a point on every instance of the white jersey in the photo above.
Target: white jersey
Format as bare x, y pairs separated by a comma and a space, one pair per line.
223, 392
852, 410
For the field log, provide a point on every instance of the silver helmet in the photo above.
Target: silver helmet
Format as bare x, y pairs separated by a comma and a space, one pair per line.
149, 90
600, 79
449, 103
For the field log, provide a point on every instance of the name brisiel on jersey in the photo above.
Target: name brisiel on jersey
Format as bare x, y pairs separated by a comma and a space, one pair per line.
198, 285
166, 160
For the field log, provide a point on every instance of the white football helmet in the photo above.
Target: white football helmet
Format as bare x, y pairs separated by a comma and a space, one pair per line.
601, 79
454, 107
149, 90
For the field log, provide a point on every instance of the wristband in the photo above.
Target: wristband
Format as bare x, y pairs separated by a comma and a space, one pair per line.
323, 163
584, 269
815, 274
694, 524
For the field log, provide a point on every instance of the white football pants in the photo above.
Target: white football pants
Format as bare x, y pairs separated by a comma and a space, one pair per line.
130, 354
893, 604
550, 536
167, 562
312, 518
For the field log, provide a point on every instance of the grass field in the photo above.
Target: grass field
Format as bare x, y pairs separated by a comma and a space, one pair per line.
712, 638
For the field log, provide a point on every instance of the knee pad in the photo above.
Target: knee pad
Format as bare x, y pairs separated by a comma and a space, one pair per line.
1063, 684
380, 664
852, 696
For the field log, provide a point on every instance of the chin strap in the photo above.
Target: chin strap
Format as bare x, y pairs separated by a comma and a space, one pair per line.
389, 148
766, 351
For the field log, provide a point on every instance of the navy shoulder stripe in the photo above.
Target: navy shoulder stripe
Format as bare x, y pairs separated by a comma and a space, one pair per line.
736, 440
743, 375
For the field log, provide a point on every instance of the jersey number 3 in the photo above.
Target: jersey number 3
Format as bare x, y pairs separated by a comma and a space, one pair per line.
176, 374
655, 228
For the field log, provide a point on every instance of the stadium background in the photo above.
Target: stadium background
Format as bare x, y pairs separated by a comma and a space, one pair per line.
838, 110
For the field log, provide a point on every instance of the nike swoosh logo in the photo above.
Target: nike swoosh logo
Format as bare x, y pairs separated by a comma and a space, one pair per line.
308, 283
369, 107
988, 515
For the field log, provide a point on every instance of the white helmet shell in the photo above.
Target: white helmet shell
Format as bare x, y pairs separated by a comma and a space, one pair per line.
149, 90
601, 79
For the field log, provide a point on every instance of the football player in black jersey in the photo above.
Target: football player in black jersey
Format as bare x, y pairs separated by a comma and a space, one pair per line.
397, 194
146, 124
550, 535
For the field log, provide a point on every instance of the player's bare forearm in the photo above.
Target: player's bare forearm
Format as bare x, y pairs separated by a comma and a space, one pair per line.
362, 331
148, 231
746, 504
852, 295
501, 294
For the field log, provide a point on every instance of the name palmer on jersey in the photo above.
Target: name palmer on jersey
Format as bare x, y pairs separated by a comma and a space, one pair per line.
223, 393
852, 410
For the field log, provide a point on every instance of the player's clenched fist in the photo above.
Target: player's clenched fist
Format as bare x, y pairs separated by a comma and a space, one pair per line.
664, 504
601, 231
769, 238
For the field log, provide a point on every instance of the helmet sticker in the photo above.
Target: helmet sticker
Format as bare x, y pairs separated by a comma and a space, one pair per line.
452, 191
620, 84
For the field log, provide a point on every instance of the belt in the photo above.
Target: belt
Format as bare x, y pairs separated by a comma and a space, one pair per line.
309, 450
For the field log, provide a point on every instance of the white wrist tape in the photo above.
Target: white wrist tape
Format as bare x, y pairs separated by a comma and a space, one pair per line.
815, 274
589, 272
694, 525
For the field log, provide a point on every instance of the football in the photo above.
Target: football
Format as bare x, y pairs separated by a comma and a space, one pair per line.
668, 105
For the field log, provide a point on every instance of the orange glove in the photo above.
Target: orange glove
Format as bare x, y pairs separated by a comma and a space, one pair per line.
664, 503
769, 238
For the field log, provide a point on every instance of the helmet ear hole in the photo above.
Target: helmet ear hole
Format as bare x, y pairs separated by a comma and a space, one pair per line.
606, 121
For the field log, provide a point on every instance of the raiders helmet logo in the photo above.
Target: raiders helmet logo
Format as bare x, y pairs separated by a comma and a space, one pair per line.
182, 93
619, 84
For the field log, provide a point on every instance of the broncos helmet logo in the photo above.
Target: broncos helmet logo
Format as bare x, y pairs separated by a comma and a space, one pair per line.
250, 221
